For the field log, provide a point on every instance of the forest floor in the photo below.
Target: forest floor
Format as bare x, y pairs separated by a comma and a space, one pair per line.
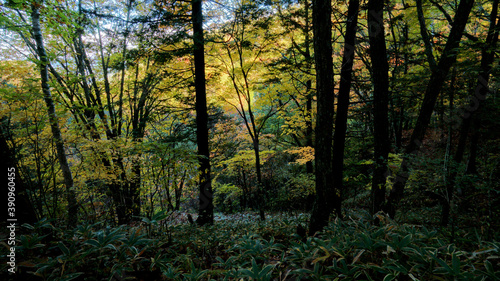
240, 247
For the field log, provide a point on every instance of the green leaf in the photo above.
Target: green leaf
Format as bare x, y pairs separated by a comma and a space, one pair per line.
266, 270
247, 273
455, 261
93, 242
63, 248
28, 226
71, 276
489, 267
389, 277
405, 241
413, 277
442, 263
111, 246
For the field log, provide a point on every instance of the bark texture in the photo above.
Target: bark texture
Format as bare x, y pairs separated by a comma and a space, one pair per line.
205, 211
322, 30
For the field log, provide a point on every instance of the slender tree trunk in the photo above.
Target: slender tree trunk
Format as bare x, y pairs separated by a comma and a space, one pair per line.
123, 70
399, 116
425, 36
309, 124
309, 94
206, 207
343, 103
393, 120
178, 191
445, 206
322, 29
398, 135
471, 164
261, 203
438, 77
122, 195
54, 125
260, 188
135, 189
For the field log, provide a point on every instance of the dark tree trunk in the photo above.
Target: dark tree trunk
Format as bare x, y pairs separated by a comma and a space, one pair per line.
121, 192
398, 124
56, 132
134, 190
309, 94
451, 100
438, 77
400, 120
178, 191
395, 104
206, 213
322, 29
260, 188
309, 124
471, 164
343, 103
380, 68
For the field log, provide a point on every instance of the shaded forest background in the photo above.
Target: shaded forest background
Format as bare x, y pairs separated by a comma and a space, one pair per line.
137, 113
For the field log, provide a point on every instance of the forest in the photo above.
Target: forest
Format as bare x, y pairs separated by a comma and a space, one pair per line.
250, 140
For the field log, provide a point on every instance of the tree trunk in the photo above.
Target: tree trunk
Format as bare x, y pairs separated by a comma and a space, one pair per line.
438, 77
322, 29
309, 94
445, 203
123, 198
471, 164
135, 189
54, 125
205, 211
380, 68
260, 188
309, 124
343, 103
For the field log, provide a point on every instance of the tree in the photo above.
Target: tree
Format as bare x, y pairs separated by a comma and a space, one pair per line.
56, 132
297, 62
103, 109
434, 86
343, 100
476, 102
241, 63
206, 213
380, 78
326, 196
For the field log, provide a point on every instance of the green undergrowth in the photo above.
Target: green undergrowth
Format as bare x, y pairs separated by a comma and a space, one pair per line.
243, 248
